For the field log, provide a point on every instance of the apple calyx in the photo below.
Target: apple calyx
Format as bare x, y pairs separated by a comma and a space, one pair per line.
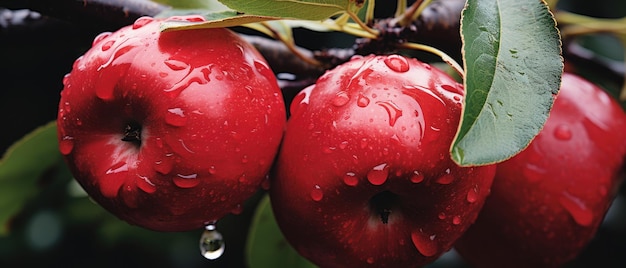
382, 204
132, 133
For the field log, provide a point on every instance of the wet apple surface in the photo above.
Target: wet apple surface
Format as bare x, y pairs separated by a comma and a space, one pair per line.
170, 130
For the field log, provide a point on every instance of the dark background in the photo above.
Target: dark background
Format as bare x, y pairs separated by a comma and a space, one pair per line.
62, 227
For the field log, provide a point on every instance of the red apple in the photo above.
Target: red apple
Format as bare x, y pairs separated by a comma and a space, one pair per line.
170, 130
548, 201
364, 175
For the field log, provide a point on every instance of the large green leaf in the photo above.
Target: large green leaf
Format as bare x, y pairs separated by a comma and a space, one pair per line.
266, 246
513, 63
296, 9
21, 168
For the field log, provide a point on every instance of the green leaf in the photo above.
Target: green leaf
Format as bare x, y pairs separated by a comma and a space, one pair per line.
192, 4
513, 63
266, 246
295, 9
22, 166
219, 19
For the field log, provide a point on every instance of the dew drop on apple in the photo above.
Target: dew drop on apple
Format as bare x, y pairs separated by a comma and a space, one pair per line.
350, 179
456, 220
175, 117
176, 65
472, 195
393, 111
316, 193
378, 174
140, 22
340, 99
446, 178
417, 177
211, 243
563, 132
425, 244
144, 184
397, 63
212, 170
165, 165
577, 209
186, 180
66, 145
99, 38
107, 45
362, 101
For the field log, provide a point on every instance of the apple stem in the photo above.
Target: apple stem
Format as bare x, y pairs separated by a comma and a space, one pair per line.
132, 133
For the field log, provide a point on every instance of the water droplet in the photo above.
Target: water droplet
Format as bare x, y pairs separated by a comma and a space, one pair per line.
563, 132
100, 37
176, 65
145, 184
393, 111
370, 260
143, 21
186, 181
211, 243
244, 159
472, 194
316, 193
343, 145
442, 216
350, 179
362, 101
425, 244
456, 220
577, 209
212, 170
164, 166
378, 175
107, 45
175, 117
397, 63
417, 177
340, 99
446, 178
118, 168
66, 145
198, 75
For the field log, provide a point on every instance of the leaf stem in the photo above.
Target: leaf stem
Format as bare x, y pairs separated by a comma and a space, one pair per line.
447, 59
290, 45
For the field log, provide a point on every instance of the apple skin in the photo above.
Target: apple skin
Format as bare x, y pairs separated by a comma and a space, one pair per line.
547, 202
364, 175
210, 115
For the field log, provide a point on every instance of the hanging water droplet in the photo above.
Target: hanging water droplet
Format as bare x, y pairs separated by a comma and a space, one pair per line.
140, 22
378, 175
340, 99
175, 117
66, 145
211, 243
397, 63
563, 132
393, 111
316, 193
350, 179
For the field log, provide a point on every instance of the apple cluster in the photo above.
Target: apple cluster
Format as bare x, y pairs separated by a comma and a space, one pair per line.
173, 130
